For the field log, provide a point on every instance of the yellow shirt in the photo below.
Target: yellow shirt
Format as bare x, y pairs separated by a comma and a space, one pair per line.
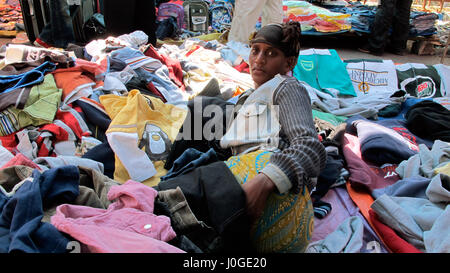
147, 127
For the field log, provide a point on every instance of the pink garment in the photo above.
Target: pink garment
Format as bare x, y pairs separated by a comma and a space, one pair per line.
20, 159
128, 225
363, 174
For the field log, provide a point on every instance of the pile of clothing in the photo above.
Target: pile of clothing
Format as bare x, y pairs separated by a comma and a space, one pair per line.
315, 18
10, 15
89, 120
89, 145
362, 16
386, 130
422, 23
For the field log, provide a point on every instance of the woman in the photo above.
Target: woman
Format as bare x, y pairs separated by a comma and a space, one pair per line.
277, 154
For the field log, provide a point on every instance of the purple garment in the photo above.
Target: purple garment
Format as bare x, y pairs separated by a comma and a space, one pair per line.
363, 174
128, 225
343, 208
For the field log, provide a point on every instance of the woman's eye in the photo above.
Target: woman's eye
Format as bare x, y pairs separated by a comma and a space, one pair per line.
271, 53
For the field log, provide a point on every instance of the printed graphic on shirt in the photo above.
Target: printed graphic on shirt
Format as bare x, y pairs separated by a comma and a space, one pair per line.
420, 87
156, 142
387, 171
406, 135
367, 78
307, 65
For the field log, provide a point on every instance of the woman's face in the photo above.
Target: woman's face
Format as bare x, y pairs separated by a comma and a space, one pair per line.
267, 61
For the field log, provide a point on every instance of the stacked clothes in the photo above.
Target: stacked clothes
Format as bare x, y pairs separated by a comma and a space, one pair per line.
362, 16
317, 18
422, 23
10, 15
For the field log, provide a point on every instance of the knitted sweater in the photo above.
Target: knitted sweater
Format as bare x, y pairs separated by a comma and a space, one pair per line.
301, 156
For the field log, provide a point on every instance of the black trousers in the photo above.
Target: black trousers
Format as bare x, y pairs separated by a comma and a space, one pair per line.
391, 14
124, 17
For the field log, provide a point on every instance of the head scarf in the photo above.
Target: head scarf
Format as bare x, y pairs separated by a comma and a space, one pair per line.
272, 34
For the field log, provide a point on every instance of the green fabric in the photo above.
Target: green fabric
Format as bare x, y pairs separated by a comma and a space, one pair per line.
390, 111
315, 70
420, 82
333, 119
42, 104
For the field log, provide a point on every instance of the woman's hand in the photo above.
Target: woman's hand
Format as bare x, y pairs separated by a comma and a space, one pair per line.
257, 190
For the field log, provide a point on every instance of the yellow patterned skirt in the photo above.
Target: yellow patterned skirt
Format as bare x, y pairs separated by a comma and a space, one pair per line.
287, 222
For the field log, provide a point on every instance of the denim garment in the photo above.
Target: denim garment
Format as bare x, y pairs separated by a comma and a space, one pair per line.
30, 78
21, 228
189, 160
362, 16
59, 31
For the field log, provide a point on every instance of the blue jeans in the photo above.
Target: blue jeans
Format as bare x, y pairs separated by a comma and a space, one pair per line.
59, 31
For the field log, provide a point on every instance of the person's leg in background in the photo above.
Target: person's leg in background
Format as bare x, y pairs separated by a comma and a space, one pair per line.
59, 32
400, 27
380, 28
246, 13
272, 12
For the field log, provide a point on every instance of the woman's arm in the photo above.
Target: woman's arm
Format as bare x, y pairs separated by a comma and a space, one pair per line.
305, 157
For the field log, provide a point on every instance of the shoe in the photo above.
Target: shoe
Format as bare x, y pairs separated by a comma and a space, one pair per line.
369, 50
400, 52
39, 43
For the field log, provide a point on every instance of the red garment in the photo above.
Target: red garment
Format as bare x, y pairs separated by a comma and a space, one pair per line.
394, 242
174, 66
179, 2
50, 133
59, 134
243, 67
20, 159
193, 49
9, 141
302, 18
151, 87
73, 122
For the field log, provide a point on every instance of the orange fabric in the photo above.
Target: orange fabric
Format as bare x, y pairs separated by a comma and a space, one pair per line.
83, 72
68, 81
364, 200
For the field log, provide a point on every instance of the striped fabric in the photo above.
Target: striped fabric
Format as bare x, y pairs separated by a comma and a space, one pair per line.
305, 157
8, 123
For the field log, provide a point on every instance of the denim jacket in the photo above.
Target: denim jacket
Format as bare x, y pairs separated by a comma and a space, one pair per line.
256, 125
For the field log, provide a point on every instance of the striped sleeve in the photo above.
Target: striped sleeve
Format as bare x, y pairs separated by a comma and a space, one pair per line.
305, 157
